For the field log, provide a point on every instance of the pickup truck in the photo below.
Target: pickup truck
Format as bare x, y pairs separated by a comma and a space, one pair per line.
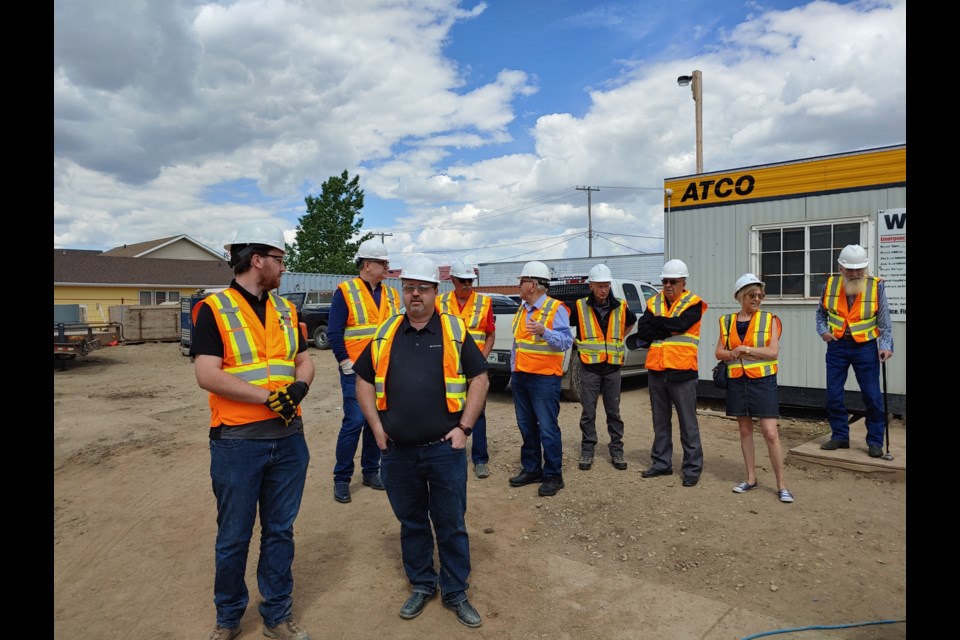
568, 290
314, 316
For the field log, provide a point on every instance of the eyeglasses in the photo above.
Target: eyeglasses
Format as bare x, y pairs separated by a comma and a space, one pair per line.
422, 288
464, 280
279, 259
671, 282
382, 263
526, 280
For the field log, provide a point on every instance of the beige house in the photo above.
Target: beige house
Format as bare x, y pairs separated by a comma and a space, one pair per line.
147, 273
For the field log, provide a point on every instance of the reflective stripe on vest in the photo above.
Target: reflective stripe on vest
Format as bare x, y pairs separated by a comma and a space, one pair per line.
679, 351
455, 384
862, 317
533, 353
363, 314
259, 353
474, 312
759, 334
593, 347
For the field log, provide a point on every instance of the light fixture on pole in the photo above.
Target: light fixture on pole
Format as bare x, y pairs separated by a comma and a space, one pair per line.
696, 82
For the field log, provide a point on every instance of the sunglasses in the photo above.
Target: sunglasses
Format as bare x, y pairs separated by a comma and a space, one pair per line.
671, 282
464, 280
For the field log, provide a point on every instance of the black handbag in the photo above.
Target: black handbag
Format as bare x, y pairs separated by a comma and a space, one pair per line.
720, 375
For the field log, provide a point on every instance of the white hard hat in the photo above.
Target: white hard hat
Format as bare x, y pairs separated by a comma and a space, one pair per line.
421, 268
258, 233
853, 256
535, 269
371, 250
746, 280
675, 269
462, 269
600, 273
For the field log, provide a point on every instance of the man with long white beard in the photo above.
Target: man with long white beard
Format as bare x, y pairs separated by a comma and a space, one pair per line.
854, 320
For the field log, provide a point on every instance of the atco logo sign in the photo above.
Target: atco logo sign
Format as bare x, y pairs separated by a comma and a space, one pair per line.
722, 188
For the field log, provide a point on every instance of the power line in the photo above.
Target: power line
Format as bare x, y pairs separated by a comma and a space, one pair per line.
535, 250
492, 246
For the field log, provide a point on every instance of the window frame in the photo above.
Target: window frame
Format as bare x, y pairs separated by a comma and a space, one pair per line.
808, 295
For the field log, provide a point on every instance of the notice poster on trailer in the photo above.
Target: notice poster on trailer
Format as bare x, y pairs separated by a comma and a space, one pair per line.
892, 259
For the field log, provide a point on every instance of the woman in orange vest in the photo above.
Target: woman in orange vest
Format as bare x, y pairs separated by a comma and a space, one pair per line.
749, 343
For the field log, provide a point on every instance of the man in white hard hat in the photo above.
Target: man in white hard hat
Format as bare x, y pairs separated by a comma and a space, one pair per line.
421, 384
356, 310
476, 310
671, 324
541, 335
258, 455
603, 323
853, 318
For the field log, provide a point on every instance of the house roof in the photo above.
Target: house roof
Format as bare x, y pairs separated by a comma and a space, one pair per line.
143, 249
93, 268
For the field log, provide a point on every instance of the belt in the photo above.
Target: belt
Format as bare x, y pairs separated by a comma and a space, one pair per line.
432, 442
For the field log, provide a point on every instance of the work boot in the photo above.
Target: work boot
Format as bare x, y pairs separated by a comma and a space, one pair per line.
833, 445
586, 460
618, 461
341, 492
874, 451
551, 485
526, 477
480, 470
288, 630
223, 633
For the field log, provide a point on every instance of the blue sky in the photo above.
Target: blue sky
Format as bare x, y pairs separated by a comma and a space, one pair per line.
470, 124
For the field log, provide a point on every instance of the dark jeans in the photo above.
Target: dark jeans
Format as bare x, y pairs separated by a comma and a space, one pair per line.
592, 387
865, 360
478, 449
664, 397
427, 485
245, 474
350, 430
537, 402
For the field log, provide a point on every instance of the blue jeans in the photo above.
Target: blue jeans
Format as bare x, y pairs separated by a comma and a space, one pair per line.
350, 430
478, 449
428, 485
245, 474
865, 360
537, 402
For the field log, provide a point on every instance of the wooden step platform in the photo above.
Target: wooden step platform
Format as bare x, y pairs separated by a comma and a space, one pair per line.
855, 458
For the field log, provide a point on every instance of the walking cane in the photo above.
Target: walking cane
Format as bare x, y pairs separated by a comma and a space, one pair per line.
886, 414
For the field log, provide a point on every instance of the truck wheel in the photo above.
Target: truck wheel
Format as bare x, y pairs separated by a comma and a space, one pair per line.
572, 392
499, 383
320, 337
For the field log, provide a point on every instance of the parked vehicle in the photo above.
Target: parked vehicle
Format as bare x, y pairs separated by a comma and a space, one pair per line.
568, 290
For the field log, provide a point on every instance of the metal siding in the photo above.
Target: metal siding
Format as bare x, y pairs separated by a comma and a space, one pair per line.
644, 267
714, 242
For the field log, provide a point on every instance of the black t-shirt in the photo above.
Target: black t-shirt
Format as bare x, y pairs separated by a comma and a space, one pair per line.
416, 410
206, 340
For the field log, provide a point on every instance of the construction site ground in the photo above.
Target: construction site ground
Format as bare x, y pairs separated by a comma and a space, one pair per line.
612, 556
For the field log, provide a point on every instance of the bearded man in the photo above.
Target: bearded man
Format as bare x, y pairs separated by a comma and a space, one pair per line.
854, 320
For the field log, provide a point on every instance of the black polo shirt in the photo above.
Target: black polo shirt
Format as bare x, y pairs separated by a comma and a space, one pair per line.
416, 410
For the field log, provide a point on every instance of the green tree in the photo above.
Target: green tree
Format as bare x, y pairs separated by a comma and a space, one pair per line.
323, 242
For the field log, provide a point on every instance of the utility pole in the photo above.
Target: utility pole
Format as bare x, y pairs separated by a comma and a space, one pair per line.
382, 236
589, 219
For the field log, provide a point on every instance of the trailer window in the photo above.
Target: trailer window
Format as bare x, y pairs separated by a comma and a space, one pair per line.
795, 261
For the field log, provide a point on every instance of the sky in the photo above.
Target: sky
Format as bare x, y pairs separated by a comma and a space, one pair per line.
475, 127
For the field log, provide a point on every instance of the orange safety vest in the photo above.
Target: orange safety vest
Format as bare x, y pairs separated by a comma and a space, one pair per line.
677, 351
474, 312
455, 384
533, 353
261, 354
861, 318
759, 334
363, 315
594, 348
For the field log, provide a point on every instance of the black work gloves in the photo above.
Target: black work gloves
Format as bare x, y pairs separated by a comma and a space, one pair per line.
285, 400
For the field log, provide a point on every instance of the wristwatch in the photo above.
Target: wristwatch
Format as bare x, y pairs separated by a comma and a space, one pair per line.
466, 430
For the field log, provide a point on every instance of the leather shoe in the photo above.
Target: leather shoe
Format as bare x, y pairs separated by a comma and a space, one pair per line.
832, 445
466, 614
653, 473
373, 481
341, 492
526, 477
874, 451
415, 604
690, 481
550, 486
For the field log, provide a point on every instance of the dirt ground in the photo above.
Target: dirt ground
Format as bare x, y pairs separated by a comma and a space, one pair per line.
611, 556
